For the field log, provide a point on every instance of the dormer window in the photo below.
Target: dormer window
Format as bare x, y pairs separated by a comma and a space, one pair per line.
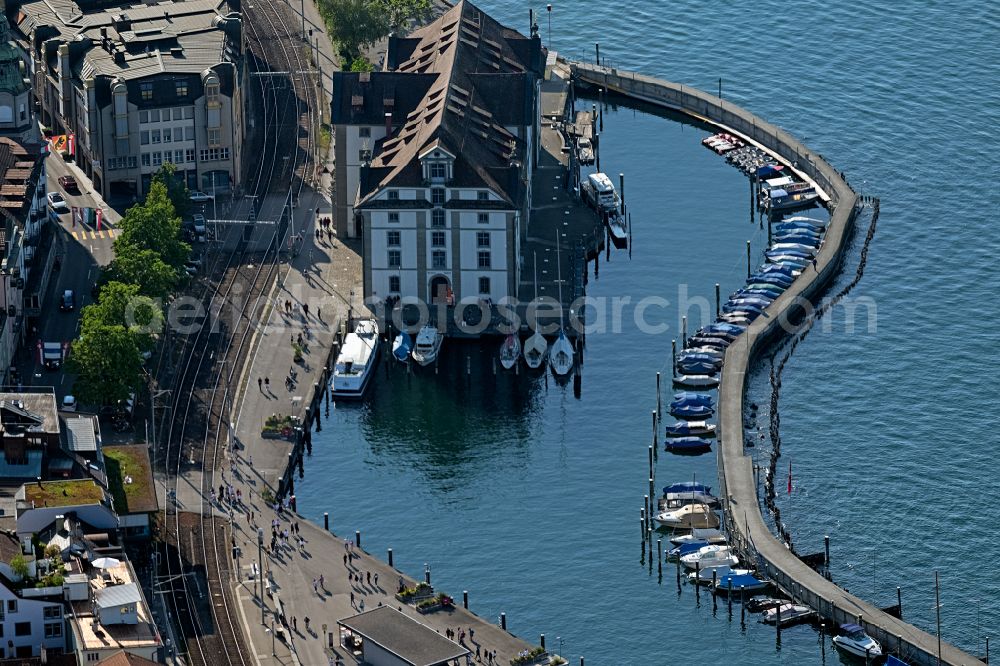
438, 171
438, 165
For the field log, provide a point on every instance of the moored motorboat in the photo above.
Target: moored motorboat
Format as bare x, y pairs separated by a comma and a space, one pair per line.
710, 574
402, 346
710, 556
759, 604
691, 428
510, 351
692, 412
707, 535
787, 613
688, 517
356, 361
854, 640
696, 381
697, 367
617, 229
692, 398
428, 345
737, 582
686, 486
688, 445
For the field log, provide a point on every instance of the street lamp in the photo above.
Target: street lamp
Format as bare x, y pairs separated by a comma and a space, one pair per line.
260, 570
548, 8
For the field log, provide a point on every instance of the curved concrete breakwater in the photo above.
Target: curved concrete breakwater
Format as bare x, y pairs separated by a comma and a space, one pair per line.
747, 529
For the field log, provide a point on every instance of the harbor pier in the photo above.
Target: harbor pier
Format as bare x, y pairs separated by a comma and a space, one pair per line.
745, 523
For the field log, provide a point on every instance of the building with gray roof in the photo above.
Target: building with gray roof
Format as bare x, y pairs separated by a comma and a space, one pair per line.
140, 85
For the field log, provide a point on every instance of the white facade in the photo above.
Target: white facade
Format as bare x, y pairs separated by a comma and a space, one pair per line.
360, 140
28, 624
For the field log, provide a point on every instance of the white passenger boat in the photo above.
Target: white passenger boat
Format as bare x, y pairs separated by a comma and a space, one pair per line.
428, 345
356, 362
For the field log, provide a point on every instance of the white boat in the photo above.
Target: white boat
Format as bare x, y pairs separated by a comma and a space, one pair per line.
709, 535
711, 556
510, 351
786, 614
428, 345
704, 574
855, 641
536, 347
561, 355
696, 381
677, 500
688, 517
617, 228
356, 361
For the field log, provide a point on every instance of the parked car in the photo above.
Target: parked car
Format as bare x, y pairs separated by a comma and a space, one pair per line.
69, 403
69, 184
68, 301
200, 197
200, 226
57, 202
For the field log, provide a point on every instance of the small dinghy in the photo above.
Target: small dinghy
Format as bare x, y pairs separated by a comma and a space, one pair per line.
402, 346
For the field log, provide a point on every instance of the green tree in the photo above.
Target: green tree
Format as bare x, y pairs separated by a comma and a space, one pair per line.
107, 361
122, 305
400, 13
177, 189
144, 268
153, 225
19, 566
353, 25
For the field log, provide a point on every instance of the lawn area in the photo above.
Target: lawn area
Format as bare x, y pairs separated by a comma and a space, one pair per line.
63, 493
130, 478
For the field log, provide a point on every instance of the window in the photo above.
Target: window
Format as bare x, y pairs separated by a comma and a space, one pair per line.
22, 628
166, 135
482, 239
484, 218
189, 133
437, 217
179, 112
484, 259
392, 238
53, 629
143, 117
394, 284
212, 93
214, 154
155, 136
178, 132
438, 171
439, 259
482, 195
189, 155
146, 91
437, 239
178, 157
395, 258
437, 196
214, 137
188, 112
393, 195
144, 138
393, 218
182, 88
93, 656
145, 159
157, 159
484, 285
154, 116
52, 612
364, 133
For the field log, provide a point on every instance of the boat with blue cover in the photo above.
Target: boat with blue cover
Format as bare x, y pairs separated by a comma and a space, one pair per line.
688, 445
687, 486
692, 398
402, 346
739, 583
692, 412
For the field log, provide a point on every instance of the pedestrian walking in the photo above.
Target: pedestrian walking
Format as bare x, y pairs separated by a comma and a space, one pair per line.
305, 308
375, 578
479, 657
260, 384
368, 577
322, 582
345, 559
306, 618
352, 598
267, 383
295, 624
472, 634
361, 606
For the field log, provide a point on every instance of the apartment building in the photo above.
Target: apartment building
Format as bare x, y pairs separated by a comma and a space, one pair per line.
435, 156
141, 85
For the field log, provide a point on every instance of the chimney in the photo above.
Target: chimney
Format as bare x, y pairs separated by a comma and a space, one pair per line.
388, 124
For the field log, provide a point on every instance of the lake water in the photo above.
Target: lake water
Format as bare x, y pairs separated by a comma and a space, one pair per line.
515, 490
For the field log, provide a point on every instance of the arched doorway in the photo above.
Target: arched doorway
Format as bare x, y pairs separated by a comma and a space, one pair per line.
441, 290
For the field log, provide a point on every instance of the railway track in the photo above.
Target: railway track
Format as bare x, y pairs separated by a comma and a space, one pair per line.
196, 555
